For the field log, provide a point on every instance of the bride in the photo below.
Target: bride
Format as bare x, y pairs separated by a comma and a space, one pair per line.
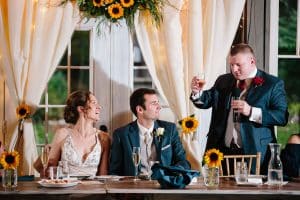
85, 148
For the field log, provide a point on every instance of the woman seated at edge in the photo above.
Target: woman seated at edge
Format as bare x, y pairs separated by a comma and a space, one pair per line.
81, 145
290, 156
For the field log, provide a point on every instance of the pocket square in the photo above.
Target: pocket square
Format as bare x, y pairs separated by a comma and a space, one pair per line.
165, 147
172, 176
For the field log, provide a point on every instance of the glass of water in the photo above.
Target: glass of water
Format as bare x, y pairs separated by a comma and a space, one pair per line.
241, 172
63, 170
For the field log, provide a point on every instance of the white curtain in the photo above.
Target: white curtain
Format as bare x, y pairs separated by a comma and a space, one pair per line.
33, 37
194, 37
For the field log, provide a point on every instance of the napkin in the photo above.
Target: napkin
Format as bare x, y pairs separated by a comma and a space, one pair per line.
172, 177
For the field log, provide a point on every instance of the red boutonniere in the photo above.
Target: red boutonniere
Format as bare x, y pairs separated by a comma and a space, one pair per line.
258, 81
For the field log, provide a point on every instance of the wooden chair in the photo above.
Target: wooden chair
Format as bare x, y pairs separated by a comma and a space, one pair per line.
240, 158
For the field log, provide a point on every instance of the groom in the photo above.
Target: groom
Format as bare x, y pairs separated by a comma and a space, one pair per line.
259, 104
158, 140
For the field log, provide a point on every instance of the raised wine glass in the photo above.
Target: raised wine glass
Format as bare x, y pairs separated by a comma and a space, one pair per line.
44, 159
136, 158
201, 79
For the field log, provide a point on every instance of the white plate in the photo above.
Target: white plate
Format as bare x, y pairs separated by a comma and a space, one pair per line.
57, 185
80, 176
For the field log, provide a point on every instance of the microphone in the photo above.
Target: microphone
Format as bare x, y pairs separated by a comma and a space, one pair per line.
236, 96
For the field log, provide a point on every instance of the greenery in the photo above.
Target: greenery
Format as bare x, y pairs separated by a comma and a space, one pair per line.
115, 10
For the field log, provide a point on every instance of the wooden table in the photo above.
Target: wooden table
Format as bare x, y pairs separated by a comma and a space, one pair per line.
151, 190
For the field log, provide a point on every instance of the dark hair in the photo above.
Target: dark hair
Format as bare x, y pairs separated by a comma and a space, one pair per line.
241, 48
103, 128
75, 99
137, 98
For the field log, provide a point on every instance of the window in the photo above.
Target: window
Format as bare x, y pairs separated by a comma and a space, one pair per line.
289, 63
75, 71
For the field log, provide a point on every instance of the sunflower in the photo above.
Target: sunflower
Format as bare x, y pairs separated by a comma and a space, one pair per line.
127, 3
10, 160
189, 124
115, 11
98, 3
213, 158
23, 111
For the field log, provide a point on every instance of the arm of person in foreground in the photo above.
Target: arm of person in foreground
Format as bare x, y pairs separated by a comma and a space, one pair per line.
104, 160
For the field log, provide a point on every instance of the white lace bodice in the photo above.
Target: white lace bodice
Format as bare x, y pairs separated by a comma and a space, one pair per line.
77, 165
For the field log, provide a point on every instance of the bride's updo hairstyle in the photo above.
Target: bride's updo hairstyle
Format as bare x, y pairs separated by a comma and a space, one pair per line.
75, 99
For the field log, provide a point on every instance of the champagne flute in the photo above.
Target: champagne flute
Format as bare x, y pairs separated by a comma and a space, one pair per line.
44, 159
136, 158
201, 79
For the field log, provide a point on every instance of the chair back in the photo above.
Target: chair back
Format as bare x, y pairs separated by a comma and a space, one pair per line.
240, 158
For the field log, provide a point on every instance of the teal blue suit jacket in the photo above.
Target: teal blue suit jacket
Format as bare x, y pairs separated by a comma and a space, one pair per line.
269, 96
169, 149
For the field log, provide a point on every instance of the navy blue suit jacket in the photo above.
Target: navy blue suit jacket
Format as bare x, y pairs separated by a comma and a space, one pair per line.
269, 96
168, 148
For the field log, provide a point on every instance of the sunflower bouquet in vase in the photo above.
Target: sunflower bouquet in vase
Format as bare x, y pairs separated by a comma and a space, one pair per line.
212, 160
10, 162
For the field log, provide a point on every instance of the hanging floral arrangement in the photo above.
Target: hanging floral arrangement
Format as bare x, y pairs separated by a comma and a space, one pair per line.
189, 124
23, 112
116, 10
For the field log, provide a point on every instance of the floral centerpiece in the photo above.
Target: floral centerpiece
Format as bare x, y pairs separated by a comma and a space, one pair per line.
115, 10
9, 161
212, 161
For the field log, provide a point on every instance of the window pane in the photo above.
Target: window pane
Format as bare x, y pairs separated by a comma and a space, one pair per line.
287, 27
142, 78
38, 125
55, 120
79, 79
80, 47
64, 59
57, 87
289, 70
42, 101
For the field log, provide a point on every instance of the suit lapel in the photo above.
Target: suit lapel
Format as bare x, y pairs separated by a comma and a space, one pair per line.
253, 90
133, 135
232, 84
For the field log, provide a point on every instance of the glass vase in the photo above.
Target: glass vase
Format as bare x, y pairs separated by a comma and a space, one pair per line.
275, 176
211, 176
9, 178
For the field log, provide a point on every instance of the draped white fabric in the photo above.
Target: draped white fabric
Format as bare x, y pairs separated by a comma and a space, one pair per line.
195, 37
33, 37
